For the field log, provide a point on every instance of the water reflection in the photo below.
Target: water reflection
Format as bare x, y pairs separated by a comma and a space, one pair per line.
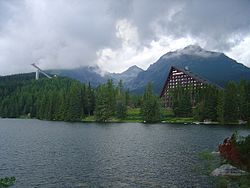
59, 154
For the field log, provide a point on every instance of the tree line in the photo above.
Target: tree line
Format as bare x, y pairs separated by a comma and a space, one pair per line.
66, 99
224, 105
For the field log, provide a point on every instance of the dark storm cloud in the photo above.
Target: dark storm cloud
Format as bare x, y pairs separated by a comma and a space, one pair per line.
64, 34
220, 23
214, 21
53, 33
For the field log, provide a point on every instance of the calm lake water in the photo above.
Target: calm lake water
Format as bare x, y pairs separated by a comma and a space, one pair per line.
58, 154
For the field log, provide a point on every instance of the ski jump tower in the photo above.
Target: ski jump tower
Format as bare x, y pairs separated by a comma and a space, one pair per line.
38, 70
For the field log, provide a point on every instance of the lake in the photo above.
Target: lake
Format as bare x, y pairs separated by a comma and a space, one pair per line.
58, 154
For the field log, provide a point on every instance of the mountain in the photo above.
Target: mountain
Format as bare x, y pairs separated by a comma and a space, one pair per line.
128, 75
83, 74
17, 77
213, 66
93, 74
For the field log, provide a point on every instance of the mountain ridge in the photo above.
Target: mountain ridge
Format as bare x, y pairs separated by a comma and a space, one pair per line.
215, 67
127, 75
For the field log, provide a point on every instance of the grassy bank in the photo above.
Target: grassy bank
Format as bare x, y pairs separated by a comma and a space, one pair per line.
134, 115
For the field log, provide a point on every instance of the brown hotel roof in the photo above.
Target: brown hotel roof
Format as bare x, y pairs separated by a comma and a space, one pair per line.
195, 76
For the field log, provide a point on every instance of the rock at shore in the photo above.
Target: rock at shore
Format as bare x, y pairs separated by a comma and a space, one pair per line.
228, 170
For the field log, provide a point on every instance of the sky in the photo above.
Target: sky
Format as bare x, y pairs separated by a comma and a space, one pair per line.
116, 34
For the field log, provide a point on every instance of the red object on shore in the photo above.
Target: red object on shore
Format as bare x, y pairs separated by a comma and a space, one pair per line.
229, 151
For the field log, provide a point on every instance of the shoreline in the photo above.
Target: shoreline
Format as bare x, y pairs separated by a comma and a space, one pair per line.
174, 120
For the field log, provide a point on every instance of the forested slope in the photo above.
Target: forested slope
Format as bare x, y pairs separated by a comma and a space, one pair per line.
56, 98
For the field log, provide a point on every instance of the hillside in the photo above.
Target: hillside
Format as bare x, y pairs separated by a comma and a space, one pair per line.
213, 66
93, 75
82, 74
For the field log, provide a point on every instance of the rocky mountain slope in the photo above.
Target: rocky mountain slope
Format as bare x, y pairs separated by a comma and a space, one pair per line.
213, 66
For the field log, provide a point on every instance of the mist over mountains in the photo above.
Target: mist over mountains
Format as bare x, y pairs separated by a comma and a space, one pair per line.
127, 76
213, 66
216, 67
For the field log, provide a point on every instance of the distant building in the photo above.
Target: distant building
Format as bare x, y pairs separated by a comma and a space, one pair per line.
180, 78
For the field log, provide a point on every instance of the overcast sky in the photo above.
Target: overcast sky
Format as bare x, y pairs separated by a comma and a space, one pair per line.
116, 34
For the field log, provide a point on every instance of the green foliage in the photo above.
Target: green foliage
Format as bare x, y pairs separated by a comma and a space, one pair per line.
222, 105
105, 102
236, 101
206, 155
244, 182
231, 107
74, 111
50, 99
178, 120
151, 107
209, 161
69, 100
243, 147
111, 102
62, 99
222, 182
241, 182
134, 101
206, 107
210, 102
121, 102
243, 162
167, 113
182, 106
7, 181
90, 101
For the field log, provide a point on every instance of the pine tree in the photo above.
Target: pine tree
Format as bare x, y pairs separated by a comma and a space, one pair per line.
221, 107
74, 107
210, 103
102, 108
111, 97
231, 103
61, 111
105, 102
151, 108
121, 105
182, 105
242, 99
198, 111
89, 100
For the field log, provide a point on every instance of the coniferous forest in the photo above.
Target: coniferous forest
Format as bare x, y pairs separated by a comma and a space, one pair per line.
66, 99
223, 105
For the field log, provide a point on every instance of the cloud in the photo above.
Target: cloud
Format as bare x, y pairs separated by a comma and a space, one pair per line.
53, 34
116, 34
132, 52
241, 51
